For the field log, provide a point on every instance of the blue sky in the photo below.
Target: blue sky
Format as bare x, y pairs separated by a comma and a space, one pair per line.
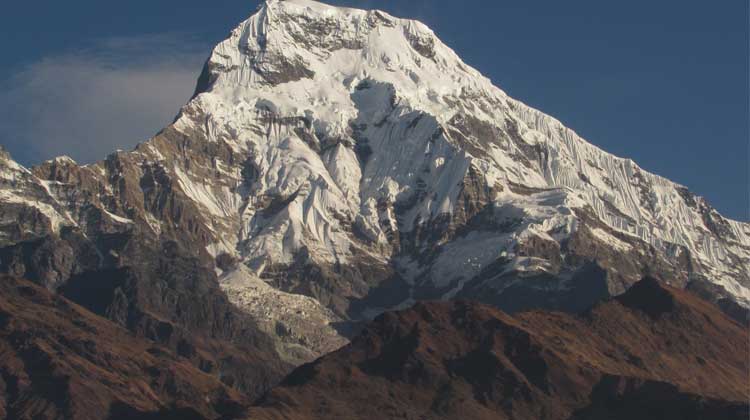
664, 83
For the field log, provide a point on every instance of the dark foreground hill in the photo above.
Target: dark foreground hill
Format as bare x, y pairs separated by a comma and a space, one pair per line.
60, 361
654, 352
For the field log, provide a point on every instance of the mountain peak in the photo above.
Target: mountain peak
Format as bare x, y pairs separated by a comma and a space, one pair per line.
292, 41
352, 157
380, 123
338, 163
306, 4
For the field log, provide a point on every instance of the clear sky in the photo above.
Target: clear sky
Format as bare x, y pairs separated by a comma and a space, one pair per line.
662, 82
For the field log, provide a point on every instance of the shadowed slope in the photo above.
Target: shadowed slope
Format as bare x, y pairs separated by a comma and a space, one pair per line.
655, 352
58, 360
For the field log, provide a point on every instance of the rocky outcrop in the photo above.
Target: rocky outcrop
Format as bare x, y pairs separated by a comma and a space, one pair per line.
160, 292
303, 329
27, 211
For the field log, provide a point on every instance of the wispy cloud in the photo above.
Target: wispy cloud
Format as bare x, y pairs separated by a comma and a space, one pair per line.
90, 101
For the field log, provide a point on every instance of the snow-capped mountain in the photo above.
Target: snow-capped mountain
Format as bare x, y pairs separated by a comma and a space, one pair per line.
352, 157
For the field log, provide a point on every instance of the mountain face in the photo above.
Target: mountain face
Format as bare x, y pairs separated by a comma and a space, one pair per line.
653, 353
344, 162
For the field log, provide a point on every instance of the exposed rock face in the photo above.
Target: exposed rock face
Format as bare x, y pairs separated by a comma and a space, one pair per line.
50, 260
305, 329
27, 210
159, 290
351, 157
59, 361
655, 353
174, 300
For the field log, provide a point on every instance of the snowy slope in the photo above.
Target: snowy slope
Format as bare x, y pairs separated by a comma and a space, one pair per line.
343, 77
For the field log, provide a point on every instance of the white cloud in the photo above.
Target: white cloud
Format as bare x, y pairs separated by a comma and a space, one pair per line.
88, 102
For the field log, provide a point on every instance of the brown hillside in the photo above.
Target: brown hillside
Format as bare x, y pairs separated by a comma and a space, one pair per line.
58, 360
654, 352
